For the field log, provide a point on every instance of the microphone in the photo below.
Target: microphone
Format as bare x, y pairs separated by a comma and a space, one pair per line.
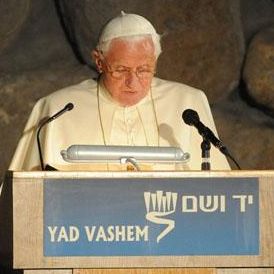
67, 107
191, 118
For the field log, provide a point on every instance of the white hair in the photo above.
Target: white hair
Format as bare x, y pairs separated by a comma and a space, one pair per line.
105, 46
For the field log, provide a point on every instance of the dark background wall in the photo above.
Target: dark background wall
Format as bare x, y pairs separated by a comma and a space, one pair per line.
224, 47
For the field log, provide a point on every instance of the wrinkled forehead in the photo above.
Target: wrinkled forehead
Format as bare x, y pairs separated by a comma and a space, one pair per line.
127, 49
138, 42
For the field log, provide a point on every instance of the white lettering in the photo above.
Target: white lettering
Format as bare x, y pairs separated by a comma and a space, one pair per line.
207, 204
222, 203
120, 231
62, 235
101, 234
73, 234
189, 204
130, 233
244, 200
70, 234
52, 231
90, 232
111, 235
141, 233
117, 233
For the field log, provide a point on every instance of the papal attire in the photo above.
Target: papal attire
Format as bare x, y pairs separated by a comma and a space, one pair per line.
98, 120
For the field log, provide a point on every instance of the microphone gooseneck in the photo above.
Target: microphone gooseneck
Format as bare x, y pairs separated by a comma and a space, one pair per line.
191, 118
67, 107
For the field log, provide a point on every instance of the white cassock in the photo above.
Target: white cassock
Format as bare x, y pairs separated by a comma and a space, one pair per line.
97, 120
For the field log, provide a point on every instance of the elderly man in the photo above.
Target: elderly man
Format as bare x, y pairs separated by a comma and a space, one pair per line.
127, 105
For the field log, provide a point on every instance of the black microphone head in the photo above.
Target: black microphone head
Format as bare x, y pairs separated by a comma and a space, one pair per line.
69, 106
190, 117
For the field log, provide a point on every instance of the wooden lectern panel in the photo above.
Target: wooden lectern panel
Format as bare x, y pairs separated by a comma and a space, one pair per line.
157, 271
147, 271
177, 271
28, 230
245, 271
52, 271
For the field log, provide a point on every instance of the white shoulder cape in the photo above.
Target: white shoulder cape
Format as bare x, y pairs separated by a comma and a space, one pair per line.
82, 126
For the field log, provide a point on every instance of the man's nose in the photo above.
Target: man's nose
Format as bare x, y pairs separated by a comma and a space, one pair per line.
132, 79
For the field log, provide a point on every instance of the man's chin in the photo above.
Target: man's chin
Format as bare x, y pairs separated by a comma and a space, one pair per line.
130, 99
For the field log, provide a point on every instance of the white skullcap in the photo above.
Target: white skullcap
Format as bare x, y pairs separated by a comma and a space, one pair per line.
126, 25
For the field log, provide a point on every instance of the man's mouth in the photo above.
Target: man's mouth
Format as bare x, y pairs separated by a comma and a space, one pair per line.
130, 91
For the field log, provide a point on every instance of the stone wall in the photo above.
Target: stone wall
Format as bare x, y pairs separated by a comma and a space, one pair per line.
46, 45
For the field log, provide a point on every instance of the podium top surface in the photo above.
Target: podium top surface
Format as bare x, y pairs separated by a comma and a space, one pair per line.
141, 174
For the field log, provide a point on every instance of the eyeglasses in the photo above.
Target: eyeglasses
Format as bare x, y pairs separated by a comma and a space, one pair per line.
121, 72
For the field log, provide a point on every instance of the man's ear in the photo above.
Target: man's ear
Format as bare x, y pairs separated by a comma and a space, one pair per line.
96, 57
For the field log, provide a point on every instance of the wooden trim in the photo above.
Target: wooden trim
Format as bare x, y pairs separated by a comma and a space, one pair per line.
245, 271
48, 271
143, 174
147, 271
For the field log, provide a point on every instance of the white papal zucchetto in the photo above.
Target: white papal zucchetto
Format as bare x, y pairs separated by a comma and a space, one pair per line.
126, 25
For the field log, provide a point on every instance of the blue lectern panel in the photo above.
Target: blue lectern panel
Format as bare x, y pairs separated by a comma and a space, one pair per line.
151, 216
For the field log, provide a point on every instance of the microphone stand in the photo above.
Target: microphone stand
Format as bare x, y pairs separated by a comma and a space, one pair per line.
39, 144
191, 118
44, 167
67, 107
205, 146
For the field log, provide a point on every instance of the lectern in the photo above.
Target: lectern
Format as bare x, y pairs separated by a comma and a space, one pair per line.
143, 222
